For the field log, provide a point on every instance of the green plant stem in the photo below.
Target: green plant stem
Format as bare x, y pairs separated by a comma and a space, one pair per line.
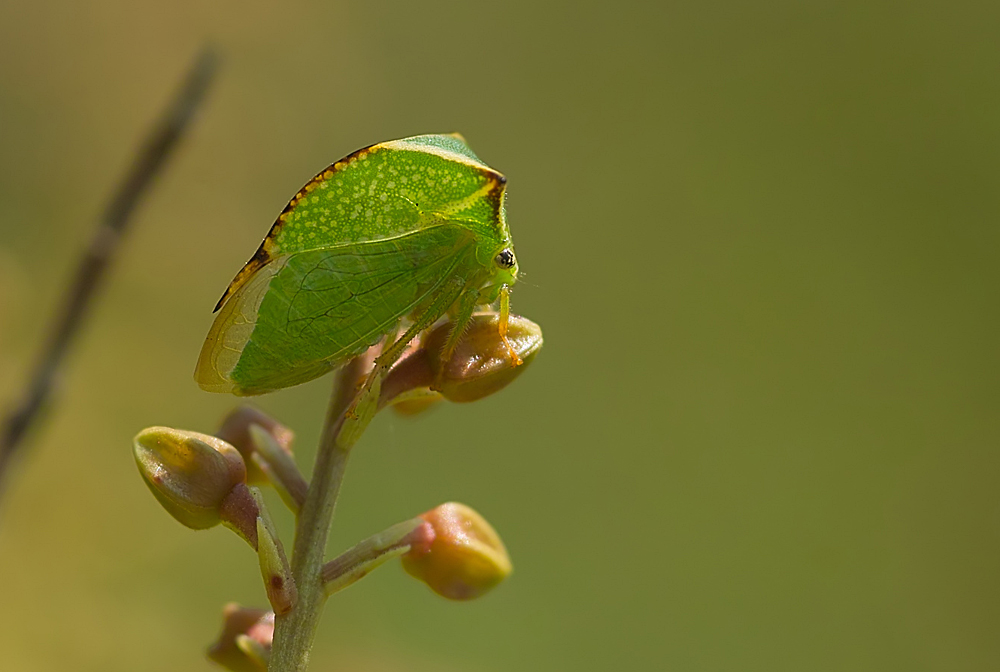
294, 632
365, 556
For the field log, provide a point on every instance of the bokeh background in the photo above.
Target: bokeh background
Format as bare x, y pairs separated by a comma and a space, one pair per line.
762, 240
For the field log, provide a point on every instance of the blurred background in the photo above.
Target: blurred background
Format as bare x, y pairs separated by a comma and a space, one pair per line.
761, 239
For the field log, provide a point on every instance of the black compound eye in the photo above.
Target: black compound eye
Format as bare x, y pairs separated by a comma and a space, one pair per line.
506, 259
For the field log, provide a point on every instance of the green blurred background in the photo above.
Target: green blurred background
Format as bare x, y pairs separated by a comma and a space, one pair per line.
761, 238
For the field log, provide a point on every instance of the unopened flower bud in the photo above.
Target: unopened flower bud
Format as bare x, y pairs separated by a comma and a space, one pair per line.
191, 474
466, 557
245, 642
276, 465
235, 430
484, 361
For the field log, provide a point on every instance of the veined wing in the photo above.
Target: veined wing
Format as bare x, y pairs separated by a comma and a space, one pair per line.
304, 314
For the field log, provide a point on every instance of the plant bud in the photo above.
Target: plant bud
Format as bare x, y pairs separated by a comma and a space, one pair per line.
190, 474
245, 642
274, 569
415, 402
482, 363
466, 557
235, 430
278, 467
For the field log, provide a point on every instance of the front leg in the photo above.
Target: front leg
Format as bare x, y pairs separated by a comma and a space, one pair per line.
366, 401
466, 305
504, 317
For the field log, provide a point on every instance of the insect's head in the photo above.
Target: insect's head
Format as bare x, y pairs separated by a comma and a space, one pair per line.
503, 274
506, 264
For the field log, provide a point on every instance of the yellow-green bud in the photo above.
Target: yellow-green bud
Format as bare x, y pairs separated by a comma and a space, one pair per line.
415, 402
483, 362
278, 581
466, 557
245, 642
199, 479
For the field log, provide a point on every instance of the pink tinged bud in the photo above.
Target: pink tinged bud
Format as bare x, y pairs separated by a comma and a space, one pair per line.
235, 430
420, 540
245, 642
192, 475
277, 465
482, 363
465, 557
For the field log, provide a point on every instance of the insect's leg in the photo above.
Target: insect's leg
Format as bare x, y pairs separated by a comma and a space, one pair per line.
466, 306
447, 297
504, 311
504, 317
391, 336
367, 400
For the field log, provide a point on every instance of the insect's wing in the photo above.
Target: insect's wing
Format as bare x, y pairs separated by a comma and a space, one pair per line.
303, 314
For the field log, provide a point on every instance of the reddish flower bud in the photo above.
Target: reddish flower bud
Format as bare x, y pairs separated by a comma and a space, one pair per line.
245, 642
235, 430
465, 558
483, 362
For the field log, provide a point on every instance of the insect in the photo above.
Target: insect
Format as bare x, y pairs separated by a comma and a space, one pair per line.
401, 232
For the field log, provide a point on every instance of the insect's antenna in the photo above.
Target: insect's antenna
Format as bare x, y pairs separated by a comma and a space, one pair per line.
520, 281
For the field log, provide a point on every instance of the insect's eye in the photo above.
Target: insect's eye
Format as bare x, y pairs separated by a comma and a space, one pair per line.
505, 259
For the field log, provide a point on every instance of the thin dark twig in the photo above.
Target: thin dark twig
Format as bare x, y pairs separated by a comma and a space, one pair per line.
112, 226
